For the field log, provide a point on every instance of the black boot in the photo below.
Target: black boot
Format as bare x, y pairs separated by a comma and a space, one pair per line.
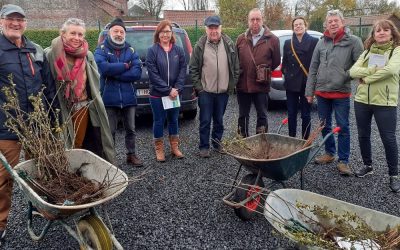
394, 183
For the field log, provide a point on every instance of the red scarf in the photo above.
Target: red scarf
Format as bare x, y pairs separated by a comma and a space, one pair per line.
73, 78
339, 35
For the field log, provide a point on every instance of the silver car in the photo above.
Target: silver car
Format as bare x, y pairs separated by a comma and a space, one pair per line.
278, 92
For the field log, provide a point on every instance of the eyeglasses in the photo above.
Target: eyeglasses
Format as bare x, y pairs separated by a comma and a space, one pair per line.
16, 19
165, 32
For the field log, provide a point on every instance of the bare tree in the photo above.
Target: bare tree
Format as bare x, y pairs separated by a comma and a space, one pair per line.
154, 7
184, 4
198, 4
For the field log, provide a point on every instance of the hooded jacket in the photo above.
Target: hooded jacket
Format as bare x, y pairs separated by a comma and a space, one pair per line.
380, 87
266, 51
331, 62
116, 78
30, 71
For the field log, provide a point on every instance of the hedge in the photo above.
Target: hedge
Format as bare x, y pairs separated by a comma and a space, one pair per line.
44, 37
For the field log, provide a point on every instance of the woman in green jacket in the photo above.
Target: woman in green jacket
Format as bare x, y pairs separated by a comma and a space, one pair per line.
377, 72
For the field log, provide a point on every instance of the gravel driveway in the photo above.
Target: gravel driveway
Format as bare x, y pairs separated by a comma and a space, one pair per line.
179, 203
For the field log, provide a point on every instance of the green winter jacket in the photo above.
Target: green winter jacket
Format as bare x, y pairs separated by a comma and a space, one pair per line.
330, 64
196, 62
381, 86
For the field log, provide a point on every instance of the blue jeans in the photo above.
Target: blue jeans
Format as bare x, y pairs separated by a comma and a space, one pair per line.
159, 116
128, 115
294, 100
212, 106
386, 120
341, 108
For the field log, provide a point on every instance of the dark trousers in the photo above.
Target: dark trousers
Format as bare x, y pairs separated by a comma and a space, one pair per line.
386, 120
260, 101
212, 106
294, 101
128, 115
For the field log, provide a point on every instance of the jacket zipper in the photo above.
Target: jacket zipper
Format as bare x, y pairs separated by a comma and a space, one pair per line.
387, 95
167, 67
216, 53
119, 87
368, 93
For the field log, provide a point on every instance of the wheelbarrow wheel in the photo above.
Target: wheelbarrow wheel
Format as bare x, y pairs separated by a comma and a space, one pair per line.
246, 188
94, 233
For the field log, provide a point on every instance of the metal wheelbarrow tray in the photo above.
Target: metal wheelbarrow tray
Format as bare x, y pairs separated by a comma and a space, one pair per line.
245, 196
91, 232
276, 206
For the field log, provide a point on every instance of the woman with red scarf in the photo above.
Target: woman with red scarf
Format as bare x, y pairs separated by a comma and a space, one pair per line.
82, 109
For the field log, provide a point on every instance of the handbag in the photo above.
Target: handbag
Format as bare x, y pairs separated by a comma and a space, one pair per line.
297, 58
263, 72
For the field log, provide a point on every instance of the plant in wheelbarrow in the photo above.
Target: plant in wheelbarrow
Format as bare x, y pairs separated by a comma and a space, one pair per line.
59, 183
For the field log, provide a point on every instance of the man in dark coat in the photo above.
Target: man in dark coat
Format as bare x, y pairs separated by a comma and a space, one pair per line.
260, 44
25, 62
119, 67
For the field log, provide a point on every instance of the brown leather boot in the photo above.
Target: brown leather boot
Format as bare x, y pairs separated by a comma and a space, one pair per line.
134, 160
159, 147
174, 143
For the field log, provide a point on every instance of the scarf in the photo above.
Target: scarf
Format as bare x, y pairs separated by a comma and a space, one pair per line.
113, 45
303, 47
339, 35
381, 48
73, 78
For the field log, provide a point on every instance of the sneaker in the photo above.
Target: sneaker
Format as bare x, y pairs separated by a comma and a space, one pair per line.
366, 170
133, 160
325, 159
204, 153
344, 169
394, 183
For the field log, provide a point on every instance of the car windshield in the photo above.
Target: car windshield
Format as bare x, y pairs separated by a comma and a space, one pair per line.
143, 39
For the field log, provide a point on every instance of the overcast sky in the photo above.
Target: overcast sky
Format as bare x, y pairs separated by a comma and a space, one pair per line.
176, 4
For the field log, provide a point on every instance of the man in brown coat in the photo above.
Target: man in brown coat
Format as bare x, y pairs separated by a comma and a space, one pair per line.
264, 46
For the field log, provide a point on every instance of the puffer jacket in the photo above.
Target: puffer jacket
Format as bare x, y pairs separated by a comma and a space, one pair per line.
166, 70
116, 81
381, 87
29, 70
196, 62
266, 51
330, 64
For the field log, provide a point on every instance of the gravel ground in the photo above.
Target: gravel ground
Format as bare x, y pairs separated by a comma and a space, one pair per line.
179, 203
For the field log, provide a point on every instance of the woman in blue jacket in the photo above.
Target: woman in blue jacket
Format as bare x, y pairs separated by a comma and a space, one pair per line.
166, 65
296, 76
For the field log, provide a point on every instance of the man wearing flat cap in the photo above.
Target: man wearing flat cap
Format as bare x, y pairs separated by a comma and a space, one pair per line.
214, 68
119, 66
257, 48
24, 61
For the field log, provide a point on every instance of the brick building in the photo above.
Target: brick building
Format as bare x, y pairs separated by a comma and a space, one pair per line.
43, 14
188, 17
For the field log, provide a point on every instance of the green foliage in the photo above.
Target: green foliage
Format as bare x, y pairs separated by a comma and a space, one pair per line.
195, 33
234, 13
44, 37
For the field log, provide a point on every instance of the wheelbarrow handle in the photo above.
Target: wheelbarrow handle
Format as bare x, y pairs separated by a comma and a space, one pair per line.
284, 122
318, 146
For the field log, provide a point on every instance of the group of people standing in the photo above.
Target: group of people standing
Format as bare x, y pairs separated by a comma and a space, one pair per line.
93, 91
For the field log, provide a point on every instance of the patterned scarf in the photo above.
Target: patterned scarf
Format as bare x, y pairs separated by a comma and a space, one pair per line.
74, 78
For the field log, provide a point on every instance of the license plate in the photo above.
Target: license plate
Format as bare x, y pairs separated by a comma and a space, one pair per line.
142, 92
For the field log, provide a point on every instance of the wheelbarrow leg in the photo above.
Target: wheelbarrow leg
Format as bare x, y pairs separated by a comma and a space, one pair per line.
236, 177
30, 229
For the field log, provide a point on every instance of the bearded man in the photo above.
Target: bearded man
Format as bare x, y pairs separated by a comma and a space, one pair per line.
119, 66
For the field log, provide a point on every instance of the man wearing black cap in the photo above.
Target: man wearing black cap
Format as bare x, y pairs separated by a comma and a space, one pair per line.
214, 68
119, 66
25, 61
